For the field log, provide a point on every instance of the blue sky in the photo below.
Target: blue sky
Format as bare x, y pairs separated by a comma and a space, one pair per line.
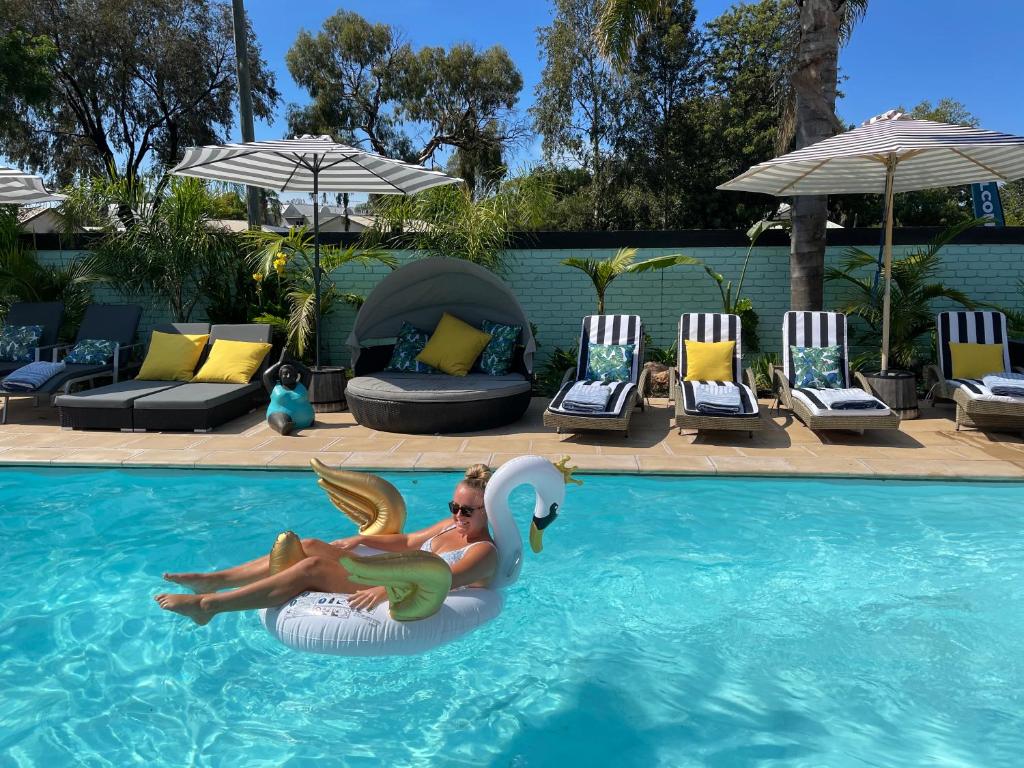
902, 52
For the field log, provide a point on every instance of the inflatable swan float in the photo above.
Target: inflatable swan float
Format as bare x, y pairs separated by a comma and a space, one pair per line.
421, 612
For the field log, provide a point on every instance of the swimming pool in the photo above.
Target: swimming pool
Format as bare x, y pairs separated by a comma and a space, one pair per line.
669, 621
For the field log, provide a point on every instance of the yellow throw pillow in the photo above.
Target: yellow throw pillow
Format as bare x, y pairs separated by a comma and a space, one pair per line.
972, 361
709, 361
172, 356
232, 362
454, 346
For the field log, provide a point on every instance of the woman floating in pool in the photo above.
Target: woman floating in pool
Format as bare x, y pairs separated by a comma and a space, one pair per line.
462, 540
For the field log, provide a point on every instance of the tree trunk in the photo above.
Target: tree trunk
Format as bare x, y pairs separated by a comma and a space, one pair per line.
814, 83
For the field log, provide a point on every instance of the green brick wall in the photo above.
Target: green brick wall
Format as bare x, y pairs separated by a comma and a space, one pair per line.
556, 297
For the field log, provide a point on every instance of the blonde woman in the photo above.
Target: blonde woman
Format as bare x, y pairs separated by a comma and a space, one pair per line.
462, 539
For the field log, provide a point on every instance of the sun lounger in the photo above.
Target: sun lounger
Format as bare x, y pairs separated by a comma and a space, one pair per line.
976, 404
109, 322
624, 396
817, 407
111, 407
713, 404
47, 314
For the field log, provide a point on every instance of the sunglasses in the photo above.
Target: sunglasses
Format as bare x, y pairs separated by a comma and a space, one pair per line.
461, 509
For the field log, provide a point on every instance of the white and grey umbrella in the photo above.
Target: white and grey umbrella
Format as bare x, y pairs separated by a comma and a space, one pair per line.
889, 153
309, 164
20, 188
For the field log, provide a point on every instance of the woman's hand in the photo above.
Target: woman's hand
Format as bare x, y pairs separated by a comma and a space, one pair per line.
346, 545
368, 599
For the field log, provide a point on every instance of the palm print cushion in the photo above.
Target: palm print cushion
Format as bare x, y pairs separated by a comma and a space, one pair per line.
496, 359
18, 342
817, 367
609, 362
410, 342
91, 352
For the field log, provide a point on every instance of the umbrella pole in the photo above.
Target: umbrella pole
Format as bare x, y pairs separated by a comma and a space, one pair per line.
316, 259
890, 173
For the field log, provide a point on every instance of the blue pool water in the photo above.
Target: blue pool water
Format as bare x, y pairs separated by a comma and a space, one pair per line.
673, 622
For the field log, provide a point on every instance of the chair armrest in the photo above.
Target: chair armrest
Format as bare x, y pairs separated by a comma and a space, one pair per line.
673, 383
644, 383
862, 382
1018, 369
566, 377
932, 374
750, 380
124, 351
53, 351
60, 350
780, 384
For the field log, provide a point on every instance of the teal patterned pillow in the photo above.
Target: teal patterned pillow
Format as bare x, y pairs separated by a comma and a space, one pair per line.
18, 342
496, 359
91, 352
817, 367
609, 362
410, 342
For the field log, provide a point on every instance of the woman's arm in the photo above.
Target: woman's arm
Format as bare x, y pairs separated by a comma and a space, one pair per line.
477, 565
393, 542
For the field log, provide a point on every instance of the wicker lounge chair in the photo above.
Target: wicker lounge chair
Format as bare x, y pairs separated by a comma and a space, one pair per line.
711, 327
111, 407
976, 406
820, 329
625, 396
110, 322
48, 314
435, 403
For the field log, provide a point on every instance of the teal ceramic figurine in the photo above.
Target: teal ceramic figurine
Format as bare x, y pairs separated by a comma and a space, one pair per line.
289, 407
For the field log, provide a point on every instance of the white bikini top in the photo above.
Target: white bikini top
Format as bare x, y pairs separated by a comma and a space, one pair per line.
449, 557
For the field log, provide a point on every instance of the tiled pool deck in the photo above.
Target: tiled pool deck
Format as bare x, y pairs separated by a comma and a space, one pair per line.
925, 447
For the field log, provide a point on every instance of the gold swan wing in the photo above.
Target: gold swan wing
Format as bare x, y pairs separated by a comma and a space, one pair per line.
369, 501
416, 582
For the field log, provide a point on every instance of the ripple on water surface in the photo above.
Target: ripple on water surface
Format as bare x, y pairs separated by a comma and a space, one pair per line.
674, 622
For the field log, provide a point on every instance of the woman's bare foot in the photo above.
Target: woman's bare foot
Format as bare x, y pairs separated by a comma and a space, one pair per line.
200, 583
186, 605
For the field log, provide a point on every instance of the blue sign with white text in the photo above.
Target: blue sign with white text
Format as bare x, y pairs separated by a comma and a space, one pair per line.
987, 204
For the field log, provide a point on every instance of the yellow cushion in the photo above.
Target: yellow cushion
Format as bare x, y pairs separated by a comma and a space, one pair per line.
232, 362
172, 356
972, 361
709, 361
454, 346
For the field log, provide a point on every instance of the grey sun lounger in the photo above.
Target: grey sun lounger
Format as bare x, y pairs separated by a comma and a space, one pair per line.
202, 406
45, 313
110, 407
112, 322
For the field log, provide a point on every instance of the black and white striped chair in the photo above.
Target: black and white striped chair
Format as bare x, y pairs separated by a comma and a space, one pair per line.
712, 327
626, 395
824, 329
976, 406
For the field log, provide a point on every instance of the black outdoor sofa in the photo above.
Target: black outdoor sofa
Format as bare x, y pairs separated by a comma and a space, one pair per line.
110, 322
435, 403
170, 405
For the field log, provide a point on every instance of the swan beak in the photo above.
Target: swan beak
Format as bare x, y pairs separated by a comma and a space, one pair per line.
538, 526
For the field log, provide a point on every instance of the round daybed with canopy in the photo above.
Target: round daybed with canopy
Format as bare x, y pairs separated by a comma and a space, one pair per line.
430, 403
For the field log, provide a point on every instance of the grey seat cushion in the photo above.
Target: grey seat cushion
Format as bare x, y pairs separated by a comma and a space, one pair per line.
436, 388
120, 395
195, 396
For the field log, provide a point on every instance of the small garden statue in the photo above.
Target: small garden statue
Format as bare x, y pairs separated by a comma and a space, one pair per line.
289, 407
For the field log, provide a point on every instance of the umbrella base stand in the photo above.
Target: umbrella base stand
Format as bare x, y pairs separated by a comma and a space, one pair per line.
327, 389
897, 389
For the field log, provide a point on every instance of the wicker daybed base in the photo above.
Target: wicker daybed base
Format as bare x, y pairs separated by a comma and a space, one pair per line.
430, 418
684, 420
851, 423
564, 422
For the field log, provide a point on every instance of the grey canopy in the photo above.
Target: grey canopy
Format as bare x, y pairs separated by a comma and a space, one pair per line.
423, 290
19, 188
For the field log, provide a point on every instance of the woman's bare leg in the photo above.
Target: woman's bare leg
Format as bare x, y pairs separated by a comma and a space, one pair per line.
313, 573
246, 573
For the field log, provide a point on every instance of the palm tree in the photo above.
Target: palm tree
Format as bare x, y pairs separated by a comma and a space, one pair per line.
913, 291
621, 22
824, 25
603, 272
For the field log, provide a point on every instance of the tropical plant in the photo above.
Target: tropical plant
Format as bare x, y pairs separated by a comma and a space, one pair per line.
761, 365
603, 272
549, 377
1015, 317
288, 260
24, 278
914, 289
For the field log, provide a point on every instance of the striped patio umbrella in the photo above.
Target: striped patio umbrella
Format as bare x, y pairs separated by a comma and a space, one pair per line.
889, 153
20, 188
312, 164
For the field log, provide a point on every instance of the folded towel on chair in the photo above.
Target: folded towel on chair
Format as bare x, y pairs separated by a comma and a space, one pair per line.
849, 399
587, 397
31, 377
1005, 384
717, 399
